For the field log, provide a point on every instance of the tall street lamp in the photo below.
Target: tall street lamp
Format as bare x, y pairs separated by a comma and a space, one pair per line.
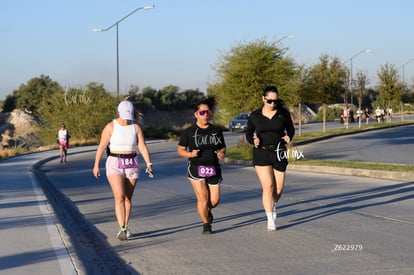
117, 40
403, 80
351, 78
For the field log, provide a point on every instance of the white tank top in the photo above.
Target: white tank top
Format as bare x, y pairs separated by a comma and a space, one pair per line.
123, 138
63, 135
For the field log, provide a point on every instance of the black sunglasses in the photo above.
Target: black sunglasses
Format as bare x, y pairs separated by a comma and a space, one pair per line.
271, 101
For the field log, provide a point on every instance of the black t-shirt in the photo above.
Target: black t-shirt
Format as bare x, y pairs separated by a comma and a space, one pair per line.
207, 140
270, 131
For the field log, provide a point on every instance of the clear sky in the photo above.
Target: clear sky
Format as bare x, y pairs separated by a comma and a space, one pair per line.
180, 41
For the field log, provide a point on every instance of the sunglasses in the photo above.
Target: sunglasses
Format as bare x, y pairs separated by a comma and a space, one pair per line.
272, 101
204, 112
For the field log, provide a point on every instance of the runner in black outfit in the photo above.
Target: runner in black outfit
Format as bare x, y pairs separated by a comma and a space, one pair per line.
269, 129
203, 145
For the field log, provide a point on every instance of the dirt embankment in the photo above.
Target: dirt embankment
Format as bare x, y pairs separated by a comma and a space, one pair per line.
17, 130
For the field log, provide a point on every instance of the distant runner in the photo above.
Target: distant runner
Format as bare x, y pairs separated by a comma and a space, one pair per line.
63, 141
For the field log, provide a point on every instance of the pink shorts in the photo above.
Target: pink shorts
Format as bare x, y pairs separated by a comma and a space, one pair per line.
64, 144
112, 168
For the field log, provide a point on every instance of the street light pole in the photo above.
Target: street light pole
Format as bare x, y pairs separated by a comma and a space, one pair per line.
351, 72
284, 37
402, 104
116, 24
117, 62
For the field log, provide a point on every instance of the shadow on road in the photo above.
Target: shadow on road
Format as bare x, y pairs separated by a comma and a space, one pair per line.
347, 202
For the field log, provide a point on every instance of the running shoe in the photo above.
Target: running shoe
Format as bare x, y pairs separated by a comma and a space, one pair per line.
207, 228
128, 233
121, 235
274, 214
210, 217
271, 227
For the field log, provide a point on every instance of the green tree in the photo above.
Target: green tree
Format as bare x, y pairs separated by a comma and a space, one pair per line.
144, 100
390, 87
84, 112
245, 71
133, 90
167, 97
300, 90
9, 103
408, 96
30, 95
329, 80
188, 98
149, 92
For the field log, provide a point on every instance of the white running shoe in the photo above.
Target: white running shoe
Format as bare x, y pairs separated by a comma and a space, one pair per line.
271, 227
274, 214
128, 233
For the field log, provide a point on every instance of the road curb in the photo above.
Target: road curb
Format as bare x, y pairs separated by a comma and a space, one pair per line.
391, 175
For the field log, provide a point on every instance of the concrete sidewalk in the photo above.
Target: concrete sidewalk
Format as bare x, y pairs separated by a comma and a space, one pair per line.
30, 239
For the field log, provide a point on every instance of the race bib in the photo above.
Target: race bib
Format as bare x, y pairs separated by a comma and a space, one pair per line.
124, 163
206, 171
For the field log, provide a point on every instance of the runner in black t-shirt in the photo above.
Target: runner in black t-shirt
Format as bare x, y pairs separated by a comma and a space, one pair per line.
269, 129
203, 145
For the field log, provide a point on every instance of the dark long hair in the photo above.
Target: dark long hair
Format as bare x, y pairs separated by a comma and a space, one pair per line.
270, 89
273, 89
209, 101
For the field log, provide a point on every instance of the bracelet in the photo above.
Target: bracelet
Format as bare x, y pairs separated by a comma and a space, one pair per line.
149, 163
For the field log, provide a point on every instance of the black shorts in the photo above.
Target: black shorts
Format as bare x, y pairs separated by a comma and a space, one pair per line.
192, 173
264, 157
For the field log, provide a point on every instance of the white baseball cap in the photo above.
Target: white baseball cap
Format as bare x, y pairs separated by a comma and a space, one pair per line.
126, 110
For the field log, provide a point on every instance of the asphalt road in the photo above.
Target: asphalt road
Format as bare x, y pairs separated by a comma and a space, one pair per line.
328, 224
390, 145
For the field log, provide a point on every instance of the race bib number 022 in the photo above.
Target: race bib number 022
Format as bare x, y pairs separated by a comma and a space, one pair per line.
125, 163
206, 171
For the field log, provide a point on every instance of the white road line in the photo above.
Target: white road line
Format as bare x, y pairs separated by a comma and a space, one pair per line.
66, 265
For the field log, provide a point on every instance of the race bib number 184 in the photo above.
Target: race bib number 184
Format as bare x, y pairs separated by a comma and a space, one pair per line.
124, 163
206, 171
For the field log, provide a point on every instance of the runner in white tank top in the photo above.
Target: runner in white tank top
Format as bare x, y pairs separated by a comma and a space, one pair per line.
124, 137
